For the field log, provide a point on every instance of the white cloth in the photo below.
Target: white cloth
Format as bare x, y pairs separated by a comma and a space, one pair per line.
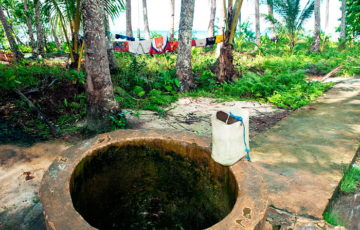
200, 42
140, 47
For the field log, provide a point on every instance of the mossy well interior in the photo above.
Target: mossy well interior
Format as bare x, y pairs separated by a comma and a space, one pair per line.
152, 185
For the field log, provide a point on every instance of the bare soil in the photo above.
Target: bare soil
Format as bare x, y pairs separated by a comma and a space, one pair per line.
193, 115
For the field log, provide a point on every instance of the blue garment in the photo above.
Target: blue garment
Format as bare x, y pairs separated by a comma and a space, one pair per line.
119, 36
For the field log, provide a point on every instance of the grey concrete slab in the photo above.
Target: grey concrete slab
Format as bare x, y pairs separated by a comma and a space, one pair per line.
303, 156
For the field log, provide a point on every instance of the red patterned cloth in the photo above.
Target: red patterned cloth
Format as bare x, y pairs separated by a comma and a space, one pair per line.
172, 46
121, 46
193, 43
153, 51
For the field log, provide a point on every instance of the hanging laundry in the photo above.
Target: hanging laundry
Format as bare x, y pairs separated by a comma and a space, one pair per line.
219, 39
119, 36
193, 43
159, 41
173, 45
154, 51
159, 44
210, 41
200, 42
140, 47
121, 46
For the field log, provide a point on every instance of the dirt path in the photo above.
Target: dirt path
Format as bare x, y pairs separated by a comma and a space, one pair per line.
19, 201
301, 159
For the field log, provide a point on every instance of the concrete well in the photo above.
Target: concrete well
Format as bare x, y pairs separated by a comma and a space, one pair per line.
150, 179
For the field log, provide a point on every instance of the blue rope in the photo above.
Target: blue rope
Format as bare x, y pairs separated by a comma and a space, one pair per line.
239, 118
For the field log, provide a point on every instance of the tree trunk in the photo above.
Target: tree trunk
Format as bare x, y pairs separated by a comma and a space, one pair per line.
239, 23
225, 70
327, 18
343, 15
316, 41
257, 24
39, 30
45, 43
13, 46
30, 31
222, 23
12, 29
56, 38
109, 45
172, 19
146, 22
183, 64
128, 19
138, 22
271, 13
210, 32
101, 102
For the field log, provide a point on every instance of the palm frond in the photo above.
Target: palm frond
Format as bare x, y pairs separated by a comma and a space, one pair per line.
269, 18
306, 13
113, 8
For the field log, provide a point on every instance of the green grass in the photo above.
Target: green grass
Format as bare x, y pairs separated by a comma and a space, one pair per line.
351, 181
333, 218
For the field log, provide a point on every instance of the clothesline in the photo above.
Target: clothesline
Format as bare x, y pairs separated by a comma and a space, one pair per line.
158, 45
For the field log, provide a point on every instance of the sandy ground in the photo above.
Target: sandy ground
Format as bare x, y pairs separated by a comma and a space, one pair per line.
22, 168
193, 115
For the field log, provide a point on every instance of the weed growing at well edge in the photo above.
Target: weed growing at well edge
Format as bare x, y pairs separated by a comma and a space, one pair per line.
351, 181
333, 218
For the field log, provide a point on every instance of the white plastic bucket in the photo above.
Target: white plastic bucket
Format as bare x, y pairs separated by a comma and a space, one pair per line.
228, 139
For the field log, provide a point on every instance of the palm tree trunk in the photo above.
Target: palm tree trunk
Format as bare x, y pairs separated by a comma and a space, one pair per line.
45, 43
109, 46
271, 13
210, 32
39, 30
138, 22
30, 31
239, 23
343, 15
13, 46
56, 38
327, 18
225, 70
172, 19
146, 22
222, 27
257, 24
12, 28
183, 64
316, 41
128, 19
101, 102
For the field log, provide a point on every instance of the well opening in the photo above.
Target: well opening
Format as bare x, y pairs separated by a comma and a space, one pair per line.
152, 184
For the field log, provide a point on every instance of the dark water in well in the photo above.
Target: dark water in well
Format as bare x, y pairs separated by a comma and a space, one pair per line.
142, 188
